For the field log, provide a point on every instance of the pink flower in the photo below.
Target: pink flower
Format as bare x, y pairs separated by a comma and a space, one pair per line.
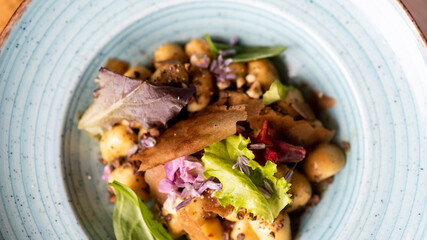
185, 179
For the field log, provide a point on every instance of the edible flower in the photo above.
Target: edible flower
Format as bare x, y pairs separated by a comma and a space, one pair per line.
185, 180
220, 67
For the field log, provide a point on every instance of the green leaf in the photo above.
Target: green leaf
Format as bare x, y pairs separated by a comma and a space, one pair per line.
211, 45
276, 92
239, 189
244, 53
132, 219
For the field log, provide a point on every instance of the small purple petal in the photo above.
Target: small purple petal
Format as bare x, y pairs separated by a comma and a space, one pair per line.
265, 192
228, 61
183, 203
210, 185
257, 146
171, 168
165, 186
268, 186
288, 175
213, 65
106, 173
171, 197
227, 52
233, 41
220, 59
230, 76
148, 142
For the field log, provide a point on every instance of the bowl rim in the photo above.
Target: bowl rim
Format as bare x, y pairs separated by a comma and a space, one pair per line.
23, 6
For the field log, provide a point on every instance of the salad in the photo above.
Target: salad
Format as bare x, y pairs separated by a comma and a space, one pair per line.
209, 143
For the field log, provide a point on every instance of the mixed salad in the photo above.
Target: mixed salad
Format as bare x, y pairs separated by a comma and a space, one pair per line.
208, 143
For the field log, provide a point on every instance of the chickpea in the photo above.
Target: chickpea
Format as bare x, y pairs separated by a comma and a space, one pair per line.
279, 229
262, 71
255, 91
126, 176
116, 143
195, 210
203, 81
300, 190
138, 72
284, 105
116, 65
239, 68
237, 98
169, 51
171, 74
172, 222
199, 47
212, 228
243, 228
324, 161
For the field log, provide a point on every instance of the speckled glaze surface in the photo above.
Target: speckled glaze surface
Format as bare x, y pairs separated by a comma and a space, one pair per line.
367, 55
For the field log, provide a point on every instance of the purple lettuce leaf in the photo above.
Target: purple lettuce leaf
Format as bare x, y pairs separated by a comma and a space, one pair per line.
119, 97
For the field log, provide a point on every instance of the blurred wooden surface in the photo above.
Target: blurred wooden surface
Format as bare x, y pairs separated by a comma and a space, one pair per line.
418, 9
7, 8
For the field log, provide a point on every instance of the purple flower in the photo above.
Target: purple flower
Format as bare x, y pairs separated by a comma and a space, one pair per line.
220, 68
185, 180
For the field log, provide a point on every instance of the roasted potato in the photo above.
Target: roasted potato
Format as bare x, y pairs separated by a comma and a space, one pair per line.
324, 161
169, 51
125, 175
116, 143
262, 71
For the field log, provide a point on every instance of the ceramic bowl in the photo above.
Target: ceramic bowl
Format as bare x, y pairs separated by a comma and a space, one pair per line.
367, 55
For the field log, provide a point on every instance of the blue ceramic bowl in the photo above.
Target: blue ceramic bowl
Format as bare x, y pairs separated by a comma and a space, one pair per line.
368, 56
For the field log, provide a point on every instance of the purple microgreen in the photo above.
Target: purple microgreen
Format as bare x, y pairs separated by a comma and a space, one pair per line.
148, 142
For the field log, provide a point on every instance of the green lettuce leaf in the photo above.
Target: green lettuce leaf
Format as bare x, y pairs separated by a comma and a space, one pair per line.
132, 219
276, 92
239, 189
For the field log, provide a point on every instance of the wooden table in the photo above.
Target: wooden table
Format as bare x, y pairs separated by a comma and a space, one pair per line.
418, 9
